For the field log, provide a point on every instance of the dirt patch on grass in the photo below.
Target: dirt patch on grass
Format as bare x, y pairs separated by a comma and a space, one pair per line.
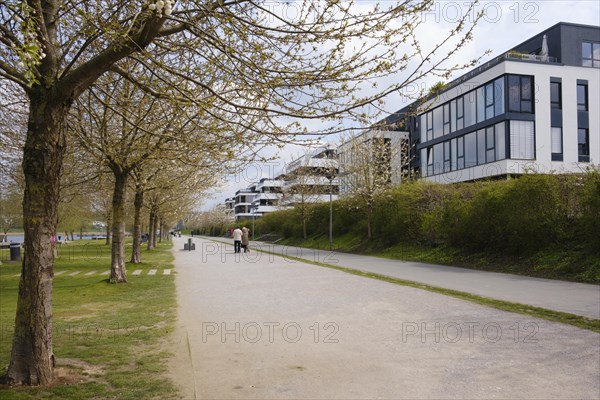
70, 371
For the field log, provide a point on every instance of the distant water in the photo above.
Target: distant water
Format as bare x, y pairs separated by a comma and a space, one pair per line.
20, 238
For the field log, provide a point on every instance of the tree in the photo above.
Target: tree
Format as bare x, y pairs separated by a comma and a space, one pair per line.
124, 127
371, 163
307, 181
241, 62
10, 211
179, 182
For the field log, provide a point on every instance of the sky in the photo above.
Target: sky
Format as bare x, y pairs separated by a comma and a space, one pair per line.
504, 25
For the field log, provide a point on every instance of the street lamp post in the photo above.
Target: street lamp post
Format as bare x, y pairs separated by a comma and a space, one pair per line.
253, 216
331, 212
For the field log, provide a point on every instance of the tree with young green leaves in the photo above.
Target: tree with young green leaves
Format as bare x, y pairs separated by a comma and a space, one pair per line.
243, 62
371, 163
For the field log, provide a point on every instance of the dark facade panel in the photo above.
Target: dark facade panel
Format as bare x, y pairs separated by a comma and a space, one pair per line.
564, 42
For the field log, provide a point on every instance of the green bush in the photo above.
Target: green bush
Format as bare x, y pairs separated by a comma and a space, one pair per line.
516, 216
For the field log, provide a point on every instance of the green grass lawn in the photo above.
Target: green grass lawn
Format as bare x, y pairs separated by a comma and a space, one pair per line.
109, 340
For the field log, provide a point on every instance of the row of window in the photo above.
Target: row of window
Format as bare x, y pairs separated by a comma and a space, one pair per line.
556, 96
478, 105
488, 145
477, 148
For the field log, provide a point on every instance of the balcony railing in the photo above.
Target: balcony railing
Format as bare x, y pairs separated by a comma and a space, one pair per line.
511, 55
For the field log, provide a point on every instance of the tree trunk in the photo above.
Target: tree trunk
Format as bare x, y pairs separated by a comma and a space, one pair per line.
32, 358
117, 264
154, 226
161, 226
136, 253
369, 222
151, 228
304, 217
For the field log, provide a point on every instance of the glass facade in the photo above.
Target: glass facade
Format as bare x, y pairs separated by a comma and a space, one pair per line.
476, 148
512, 93
475, 106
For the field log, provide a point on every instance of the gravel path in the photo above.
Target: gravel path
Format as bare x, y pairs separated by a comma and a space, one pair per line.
257, 326
570, 297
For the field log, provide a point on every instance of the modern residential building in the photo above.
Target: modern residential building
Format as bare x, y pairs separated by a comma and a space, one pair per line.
267, 196
533, 108
230, 206
255, 200
242, 208
374, 157
307, 179
312, 177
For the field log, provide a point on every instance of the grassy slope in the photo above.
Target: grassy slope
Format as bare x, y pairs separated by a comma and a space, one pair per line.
107, 338
554, 263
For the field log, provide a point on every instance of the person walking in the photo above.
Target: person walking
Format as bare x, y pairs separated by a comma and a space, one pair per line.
237, 240
245, 239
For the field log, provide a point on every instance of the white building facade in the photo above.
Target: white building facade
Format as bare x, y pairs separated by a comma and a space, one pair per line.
373, 155
534, 108
311, 178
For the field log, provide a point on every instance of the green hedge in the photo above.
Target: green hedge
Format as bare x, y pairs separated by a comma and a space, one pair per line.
517, 216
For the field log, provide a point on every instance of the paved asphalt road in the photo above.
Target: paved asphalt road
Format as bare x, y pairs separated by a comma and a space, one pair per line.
571, 297
260, 327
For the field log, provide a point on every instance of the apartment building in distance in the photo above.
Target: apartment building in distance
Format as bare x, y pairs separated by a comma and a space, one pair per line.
307, 179
312, 177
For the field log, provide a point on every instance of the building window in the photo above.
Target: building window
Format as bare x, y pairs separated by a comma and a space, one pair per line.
430, 161
583, 139
438, 158
522, 140
470, 110
500, 145
459, 113
520, 93
481, 146
590, 54
489, 144
556, 139
446, 109
489, 101
582, 97
447, 154
438, 117
460, 152
470, 150
453, 159
555, 95
430, 125
481, 104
